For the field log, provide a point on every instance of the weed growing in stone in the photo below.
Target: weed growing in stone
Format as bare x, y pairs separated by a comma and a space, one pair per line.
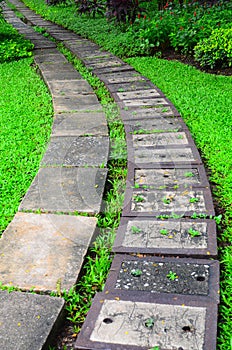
194, 200
193, 233
136, 272
172, 276
135, 229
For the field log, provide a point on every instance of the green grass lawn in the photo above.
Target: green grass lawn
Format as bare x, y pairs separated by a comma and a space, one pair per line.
25, 122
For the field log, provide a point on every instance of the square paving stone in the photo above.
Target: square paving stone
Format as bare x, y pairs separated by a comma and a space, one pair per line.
80, 124
139, 141
166, 202
41, 250
149, 113
117, 322
29, 321
167, 155
193, 277
76, 102
70, 87
181, 237
167, 177
66, 190
147, 126
77, 151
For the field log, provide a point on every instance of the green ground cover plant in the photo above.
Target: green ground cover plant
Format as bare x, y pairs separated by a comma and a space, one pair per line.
25, 122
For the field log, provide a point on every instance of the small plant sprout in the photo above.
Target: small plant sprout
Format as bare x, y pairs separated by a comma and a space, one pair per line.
121, 90
168, 199
164, 232
155, 348
194, 200
193, 233
136, 272
149, 323
136, 185
188, 174
172, 276
135, 229
138, 199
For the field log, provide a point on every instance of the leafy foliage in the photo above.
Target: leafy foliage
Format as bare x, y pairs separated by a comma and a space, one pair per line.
91, 7
215, 50
124, 10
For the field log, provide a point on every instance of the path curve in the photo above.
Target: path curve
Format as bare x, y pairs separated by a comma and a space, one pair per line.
166, 180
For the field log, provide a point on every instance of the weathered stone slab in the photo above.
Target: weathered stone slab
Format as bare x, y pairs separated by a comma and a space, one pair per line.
167, 177
161, 202
64, 74
33, 36
128, 95
146, 126
192, 277
121, 77
144, 102
80, 124
118, 69
43, 57
60, 35
118, 322
70, 88
66, 190
43, 44
77, 151
146, 155
29, 321
160, 139
77, 103
149, 113
130, 86
57, 66
103, 63
43, 250
182, 237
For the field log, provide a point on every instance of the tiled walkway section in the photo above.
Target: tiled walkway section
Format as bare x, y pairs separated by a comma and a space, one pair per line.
162, 289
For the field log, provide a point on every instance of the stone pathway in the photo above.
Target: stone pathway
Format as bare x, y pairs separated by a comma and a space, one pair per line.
162, 289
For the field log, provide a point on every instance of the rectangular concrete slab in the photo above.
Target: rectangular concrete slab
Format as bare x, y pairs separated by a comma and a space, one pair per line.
43, 44
181, 237
179, 138
45, 57
117, 322
122, 77
80, 124
167, 177
171, 276
144, 102
149, 113
70, 87
129, 95
165, 155
76, 102
174, 177
184, 202
155, 125
42, 251
29, 321
64, 74
130, 86
77, 151
66, 190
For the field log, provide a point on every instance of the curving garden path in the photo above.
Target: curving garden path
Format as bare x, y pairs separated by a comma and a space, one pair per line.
162, 288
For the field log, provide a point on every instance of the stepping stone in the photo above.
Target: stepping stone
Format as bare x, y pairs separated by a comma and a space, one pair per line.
79, 103
103, 63
117, 322
80, 124
121, 77
42, 57
161, 156
44, 252
43, 44
191, 277
181, 237
167, 177
159, 139
66, 190
117, 69
147, 126
77, 151
149, 113
55, 73
144, 102
128, 95
130, 86
60, 35
166, 202
29, 321
70, 88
